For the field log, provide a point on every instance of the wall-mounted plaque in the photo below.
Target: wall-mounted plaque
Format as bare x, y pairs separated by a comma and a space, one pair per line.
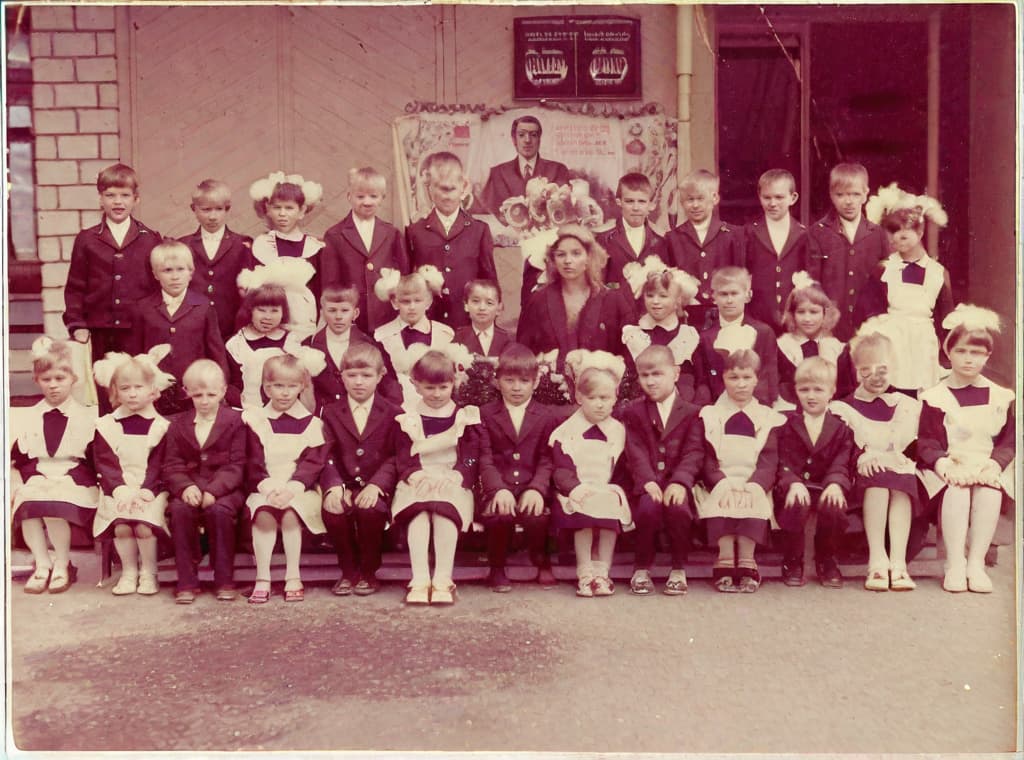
577, 57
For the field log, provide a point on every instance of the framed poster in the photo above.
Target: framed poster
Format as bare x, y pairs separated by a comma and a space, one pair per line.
577, 58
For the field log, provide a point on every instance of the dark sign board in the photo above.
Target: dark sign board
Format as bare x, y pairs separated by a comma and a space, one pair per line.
577, 57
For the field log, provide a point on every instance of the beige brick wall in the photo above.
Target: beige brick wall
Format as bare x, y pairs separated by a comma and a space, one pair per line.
75, 104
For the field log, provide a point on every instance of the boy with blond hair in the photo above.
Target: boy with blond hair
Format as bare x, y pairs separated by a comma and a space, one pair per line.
460, 246
703, 243
218, 253
358, 247
848, 245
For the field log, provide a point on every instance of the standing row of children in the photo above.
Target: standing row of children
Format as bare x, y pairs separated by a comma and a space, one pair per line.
441, 447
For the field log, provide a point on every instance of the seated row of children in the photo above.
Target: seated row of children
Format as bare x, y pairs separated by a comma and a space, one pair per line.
433, 467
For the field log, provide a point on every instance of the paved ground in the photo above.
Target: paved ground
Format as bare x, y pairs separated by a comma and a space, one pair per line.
784, 670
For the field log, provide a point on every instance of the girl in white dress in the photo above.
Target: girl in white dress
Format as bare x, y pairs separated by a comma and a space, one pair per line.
808, 316
288, 454
128, 453
287, 256
909, 294
884, 425
437, 456
586, 450
52, 456
264, 310
967, 438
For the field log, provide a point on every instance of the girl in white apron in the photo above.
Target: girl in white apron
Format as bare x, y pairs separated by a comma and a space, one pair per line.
809, 316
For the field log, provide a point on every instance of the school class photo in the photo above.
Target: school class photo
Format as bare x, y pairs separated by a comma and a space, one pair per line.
674, 352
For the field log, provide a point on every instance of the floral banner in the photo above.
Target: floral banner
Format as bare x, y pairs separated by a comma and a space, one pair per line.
597, 145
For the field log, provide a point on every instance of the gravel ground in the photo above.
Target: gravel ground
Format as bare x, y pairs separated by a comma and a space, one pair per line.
785, 670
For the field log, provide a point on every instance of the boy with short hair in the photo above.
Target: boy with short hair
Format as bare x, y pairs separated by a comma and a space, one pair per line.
516, 466
360, 475
179, 317
776, 246
847, 244
109, 269
339, 307
460, 246
632, 238
815, 457
204, 466
703, 243
734, 330
358, 247
483, 336
219, 254
664, 451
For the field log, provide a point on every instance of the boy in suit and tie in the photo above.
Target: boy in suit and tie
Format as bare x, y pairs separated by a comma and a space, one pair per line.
815, 458
358, 247
450, 239
360, 475
516, 466
482, 336
664, 450
632, 238
509, 179
776, 246
219, 254
108, 271
179, 317
203, 468
703, 243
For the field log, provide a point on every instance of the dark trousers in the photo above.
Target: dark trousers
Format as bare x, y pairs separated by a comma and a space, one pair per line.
500, 528
357, 536
649, 516
830, 528
220, 521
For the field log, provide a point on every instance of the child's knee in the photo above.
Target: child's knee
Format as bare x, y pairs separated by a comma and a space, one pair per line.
123, 531
264, 520
143, 531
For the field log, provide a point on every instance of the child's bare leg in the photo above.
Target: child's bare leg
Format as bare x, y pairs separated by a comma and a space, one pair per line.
726, 551
147, 548
264, 535
127, 549
956, 510
985, 506
745, 549
899, 529
446, 536
60, 536
291, 540
35, 538
605, 552
583, 542
876, 513
418, 538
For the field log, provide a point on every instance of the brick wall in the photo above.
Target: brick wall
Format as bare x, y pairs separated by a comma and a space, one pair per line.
75, 110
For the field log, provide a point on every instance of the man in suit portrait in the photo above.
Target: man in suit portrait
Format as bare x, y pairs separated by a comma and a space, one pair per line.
509, 179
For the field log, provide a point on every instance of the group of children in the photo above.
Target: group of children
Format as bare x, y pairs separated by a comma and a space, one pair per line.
341, 386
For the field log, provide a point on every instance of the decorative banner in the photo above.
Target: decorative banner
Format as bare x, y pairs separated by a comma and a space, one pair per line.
577, 58
597, 146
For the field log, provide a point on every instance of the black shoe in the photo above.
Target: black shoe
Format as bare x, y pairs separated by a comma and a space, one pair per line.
793, 572
829, 574
498, 581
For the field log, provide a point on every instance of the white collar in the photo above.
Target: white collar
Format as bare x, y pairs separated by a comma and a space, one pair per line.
332, 337
422, 326
250, 334
122, 411
668, 402
447, 221
445, 411
294, 236
730, 407
64, 407
353, 404
702, 226
781, 224
523, 163
364, 223
212, 236
517, 408
485, 331
738, 322
296, 411
177, 300
647, 322
119, 229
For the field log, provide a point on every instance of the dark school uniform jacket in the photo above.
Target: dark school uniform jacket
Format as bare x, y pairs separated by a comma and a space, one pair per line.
506, 181
357, 460
543, 327
825, 462
845, 267
663, 454
328, 386
105, 280
192, 332
620, 253
722, 247
517, 461
713, 362
771, 274
465, 253
217, 467
345, 261
466, 336
217, 278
